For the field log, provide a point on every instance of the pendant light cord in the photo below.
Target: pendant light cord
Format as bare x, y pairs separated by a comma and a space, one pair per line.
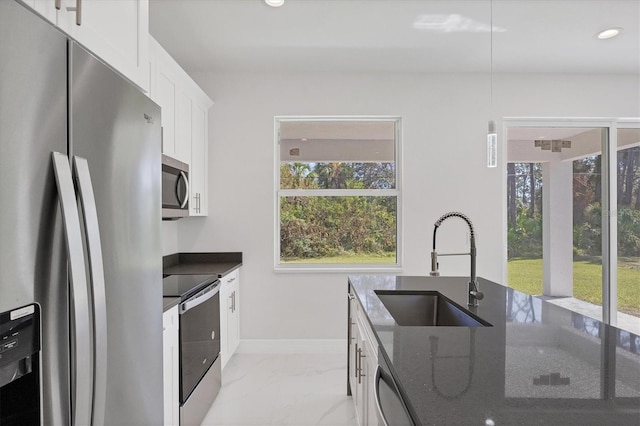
491, 53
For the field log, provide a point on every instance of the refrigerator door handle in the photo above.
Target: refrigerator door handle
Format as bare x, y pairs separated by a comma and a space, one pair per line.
80, 326
96, 270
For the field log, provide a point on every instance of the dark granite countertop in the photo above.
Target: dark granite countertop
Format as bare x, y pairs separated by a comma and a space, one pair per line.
539, 364
169, 302
219, 264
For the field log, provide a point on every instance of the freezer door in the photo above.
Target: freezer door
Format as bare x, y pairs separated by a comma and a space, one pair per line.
117, 130
33, 119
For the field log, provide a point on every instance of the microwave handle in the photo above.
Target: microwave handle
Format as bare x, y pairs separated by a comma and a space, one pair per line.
183, 203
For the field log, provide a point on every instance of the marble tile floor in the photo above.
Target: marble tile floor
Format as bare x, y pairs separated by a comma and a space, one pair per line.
283, 389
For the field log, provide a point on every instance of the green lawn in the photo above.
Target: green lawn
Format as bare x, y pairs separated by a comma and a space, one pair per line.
526, 275
359, 259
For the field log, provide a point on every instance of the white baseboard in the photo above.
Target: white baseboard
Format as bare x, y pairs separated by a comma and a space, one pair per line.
292, 346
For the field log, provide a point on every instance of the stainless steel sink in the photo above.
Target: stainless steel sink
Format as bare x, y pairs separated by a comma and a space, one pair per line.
427, 308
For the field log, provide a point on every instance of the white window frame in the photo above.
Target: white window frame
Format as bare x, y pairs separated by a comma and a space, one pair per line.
397, 192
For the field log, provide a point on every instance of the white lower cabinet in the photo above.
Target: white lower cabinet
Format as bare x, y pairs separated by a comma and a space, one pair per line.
171, 367
229, 315
363, 361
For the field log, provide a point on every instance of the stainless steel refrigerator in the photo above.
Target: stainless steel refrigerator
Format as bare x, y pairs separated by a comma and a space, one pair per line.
80, 224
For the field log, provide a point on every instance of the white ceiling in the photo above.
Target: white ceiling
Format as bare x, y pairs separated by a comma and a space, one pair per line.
399, 35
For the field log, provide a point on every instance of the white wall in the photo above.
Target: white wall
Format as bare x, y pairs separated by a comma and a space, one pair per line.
169, 237
444, 133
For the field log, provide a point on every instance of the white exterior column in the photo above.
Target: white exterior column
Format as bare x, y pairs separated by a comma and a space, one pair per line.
557, 228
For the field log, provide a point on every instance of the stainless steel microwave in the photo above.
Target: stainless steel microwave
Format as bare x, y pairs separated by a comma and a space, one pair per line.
175, 188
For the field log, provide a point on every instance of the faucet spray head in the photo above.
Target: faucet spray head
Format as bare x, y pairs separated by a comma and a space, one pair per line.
434, 264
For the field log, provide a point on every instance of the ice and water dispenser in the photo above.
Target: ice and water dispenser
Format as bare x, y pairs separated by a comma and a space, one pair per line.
19, 366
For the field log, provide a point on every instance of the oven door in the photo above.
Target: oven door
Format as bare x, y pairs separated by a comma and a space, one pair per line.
199, 337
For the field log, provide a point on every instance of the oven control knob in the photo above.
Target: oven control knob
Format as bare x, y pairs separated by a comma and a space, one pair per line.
213, 335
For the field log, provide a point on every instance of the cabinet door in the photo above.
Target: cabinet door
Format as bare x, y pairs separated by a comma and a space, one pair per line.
360, 396
229, 315
233, 325
199, 161
183, 128
171, 369
116, 31
166, 98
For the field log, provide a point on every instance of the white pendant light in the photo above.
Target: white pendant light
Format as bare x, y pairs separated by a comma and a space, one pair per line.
492, 145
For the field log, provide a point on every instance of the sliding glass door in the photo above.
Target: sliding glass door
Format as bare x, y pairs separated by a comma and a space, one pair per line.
628, 224
573, 223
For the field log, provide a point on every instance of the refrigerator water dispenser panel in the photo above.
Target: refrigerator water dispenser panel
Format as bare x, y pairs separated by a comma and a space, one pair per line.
19, 366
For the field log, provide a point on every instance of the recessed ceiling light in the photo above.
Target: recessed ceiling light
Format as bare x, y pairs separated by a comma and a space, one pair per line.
274, 3
608, 33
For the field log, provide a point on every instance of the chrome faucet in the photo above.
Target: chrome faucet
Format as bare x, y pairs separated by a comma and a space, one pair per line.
474, 293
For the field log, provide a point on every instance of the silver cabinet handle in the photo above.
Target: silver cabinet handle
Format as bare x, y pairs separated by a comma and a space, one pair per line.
376, 393
77, 9
81, 343
231, 301
355, 358
360, 356
200, 298
96, 270
183, 203
234, 300
78, 12
196, 199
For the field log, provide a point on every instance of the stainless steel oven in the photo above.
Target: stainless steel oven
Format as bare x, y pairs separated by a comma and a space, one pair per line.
175, 188
200, 366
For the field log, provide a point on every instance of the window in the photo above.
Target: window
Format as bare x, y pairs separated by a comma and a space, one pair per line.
338, 193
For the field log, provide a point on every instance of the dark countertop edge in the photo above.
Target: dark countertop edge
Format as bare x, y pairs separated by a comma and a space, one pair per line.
169, 302
201, 257
219, 264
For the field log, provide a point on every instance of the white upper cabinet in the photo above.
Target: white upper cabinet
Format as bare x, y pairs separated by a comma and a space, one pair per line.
116, 31
199, 167
164, 95
185, 123
183, 130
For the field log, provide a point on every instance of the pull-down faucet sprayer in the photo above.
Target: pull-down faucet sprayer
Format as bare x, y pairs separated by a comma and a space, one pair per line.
474, 294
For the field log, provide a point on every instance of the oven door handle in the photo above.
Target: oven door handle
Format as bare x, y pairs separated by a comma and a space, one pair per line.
200, 297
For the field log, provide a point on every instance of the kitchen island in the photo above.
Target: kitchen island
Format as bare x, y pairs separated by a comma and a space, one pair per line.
537, 364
